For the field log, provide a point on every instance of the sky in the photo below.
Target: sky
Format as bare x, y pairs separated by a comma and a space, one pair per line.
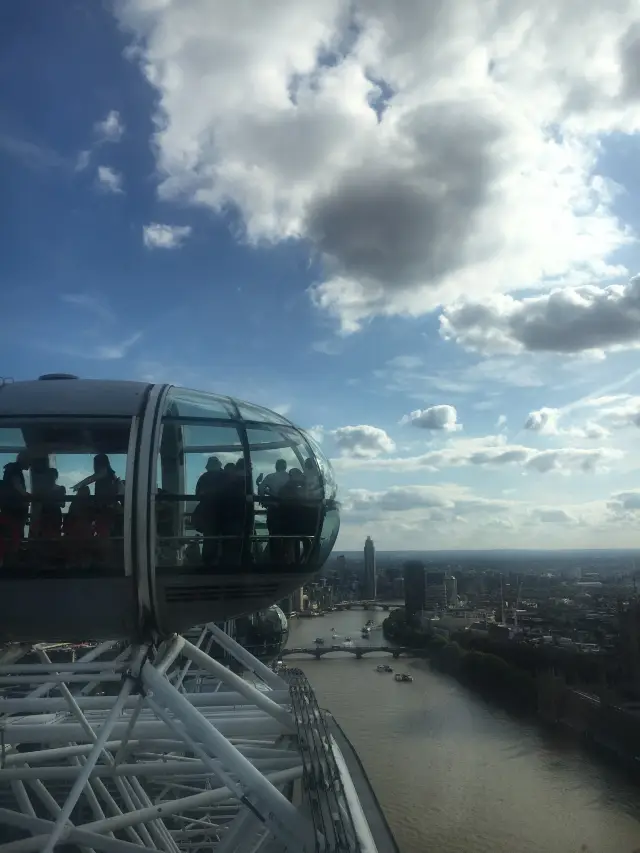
411, 227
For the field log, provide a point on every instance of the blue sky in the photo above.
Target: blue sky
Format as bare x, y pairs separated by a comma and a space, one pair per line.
210, 195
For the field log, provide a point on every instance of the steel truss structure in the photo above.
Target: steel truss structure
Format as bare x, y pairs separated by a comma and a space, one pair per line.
144, 748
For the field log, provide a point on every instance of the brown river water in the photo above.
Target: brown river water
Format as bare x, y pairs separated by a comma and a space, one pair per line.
457, 775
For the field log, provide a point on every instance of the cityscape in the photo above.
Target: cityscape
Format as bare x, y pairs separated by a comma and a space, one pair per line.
565, 626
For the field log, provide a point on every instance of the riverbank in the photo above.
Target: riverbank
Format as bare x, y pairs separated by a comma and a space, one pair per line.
602, 727
487, 673
456, 771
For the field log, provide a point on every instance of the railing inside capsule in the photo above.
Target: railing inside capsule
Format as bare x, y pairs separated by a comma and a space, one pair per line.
100, 547
55, 545
257, 547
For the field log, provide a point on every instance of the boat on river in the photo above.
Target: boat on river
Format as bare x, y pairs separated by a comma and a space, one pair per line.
403, 677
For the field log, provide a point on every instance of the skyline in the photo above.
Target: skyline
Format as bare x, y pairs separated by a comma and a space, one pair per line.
410, 229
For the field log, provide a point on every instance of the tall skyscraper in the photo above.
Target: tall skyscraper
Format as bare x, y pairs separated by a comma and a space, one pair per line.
414, 587
369, 569
435, 593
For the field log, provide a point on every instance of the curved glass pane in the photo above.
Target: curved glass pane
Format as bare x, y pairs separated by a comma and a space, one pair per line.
287, 496
329, 533
11, 440
201, 497
326, 469
184, 403
251, 412
62, 496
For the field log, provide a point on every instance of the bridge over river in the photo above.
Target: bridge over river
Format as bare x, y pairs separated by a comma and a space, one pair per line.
358, 651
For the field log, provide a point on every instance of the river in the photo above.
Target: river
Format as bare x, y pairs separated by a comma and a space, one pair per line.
454, 774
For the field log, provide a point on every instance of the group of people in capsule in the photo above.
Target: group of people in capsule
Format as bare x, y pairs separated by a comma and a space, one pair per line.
89, 516
291, 499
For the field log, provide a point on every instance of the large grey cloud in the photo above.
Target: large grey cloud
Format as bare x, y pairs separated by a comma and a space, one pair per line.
628, 500
399, 224
569, 320
407, 143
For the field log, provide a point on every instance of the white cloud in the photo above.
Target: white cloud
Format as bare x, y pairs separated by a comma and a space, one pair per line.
501, 422
398, 499
441, 150
363, 441
109, 180
282, 409
111, 128
91, 303
606, 413
405, 362
544, 421
569, 320
107, 351
441, 417
156, 236
327, 347
114, 351
94, 330
82, 161
32, 155
492, 451
405, 375
454, 516
617, 412
552, 516
316, 432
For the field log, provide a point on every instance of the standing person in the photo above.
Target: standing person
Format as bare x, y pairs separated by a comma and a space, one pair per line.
294, 523
14, 501
270, 485
269, 488
106, 495
205, 517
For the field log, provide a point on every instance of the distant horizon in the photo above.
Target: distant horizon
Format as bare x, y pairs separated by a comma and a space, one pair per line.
337, 552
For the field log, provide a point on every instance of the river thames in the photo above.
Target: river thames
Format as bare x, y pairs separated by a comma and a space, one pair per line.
455, 774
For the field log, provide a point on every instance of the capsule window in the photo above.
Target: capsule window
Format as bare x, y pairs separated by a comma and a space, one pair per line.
62, 503
287, 493
329, 531
257, 414
325, 469
184, 403
201, 497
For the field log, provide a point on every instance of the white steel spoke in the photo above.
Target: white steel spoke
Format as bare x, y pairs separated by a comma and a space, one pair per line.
137, 748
